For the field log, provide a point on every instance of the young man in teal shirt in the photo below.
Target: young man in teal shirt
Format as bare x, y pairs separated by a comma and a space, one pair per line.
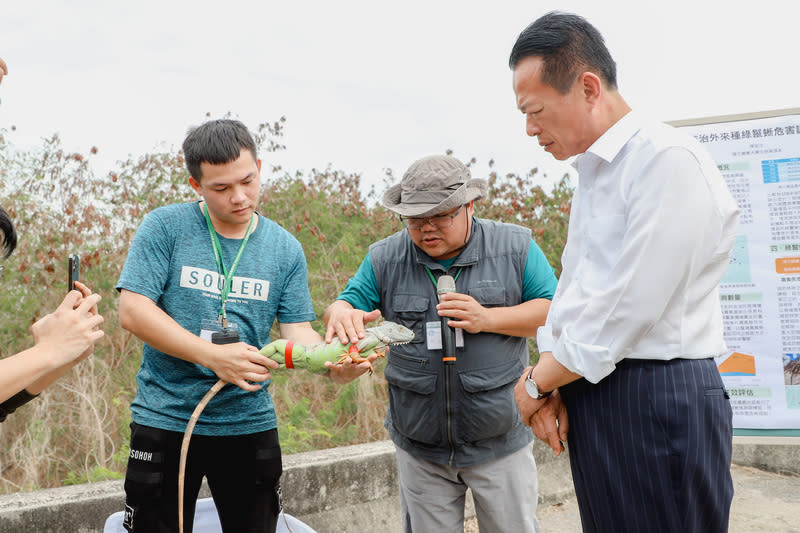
202, 285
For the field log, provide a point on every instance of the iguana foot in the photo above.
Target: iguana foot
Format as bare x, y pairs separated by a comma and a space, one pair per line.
354, 354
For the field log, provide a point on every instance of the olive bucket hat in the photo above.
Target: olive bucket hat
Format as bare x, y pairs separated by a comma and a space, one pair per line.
431, 185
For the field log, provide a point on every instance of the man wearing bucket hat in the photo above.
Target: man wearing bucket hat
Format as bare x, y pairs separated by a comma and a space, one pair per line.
452, 416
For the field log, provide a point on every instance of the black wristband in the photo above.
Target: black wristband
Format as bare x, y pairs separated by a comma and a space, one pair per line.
18, 400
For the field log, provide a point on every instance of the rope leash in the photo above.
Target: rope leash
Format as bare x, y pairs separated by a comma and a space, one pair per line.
187, 435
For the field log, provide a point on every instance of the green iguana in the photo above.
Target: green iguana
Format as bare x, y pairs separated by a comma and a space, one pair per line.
312, 357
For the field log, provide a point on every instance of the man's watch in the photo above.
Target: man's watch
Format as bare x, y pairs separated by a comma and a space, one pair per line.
533, 389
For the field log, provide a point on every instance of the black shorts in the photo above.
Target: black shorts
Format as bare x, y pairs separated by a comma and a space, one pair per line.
243, 473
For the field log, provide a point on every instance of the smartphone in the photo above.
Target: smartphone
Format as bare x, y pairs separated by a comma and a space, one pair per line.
74, 271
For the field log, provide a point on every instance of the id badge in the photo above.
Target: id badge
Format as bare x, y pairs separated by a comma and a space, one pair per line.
213, 332
433, 331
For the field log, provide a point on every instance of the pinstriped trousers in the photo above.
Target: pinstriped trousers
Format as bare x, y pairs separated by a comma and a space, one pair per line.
650, 448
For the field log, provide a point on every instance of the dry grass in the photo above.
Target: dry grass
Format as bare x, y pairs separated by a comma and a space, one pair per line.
70, 434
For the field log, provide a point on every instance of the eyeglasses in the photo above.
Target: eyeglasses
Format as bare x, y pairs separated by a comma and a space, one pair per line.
438, 222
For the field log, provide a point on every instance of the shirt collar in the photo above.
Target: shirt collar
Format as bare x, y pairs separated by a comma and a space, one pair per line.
610, 143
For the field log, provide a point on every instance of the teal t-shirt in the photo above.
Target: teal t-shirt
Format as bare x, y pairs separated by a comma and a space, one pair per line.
171, 261
539, 281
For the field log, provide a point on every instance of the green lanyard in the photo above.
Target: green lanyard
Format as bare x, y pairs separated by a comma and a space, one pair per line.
226, 288
433, 280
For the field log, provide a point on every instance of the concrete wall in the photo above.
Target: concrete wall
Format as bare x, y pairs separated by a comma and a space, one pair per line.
342, 490
774, 454
348, 489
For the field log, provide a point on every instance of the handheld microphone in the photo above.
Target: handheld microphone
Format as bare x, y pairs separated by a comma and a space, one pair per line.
447, 284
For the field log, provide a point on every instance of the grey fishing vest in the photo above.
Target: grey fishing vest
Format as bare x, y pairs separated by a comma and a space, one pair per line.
459, 414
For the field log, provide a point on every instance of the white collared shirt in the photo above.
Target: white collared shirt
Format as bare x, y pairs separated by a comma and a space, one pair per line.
650, 235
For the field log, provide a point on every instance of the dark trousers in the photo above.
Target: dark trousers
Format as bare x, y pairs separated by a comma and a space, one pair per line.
243, 474
650, 448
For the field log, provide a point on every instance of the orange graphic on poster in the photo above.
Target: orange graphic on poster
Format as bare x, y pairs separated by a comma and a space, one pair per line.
738, 364
787, 265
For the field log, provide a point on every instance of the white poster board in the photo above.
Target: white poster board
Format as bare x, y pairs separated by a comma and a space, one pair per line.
759, 156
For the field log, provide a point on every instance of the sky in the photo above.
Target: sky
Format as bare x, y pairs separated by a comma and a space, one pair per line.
365, 85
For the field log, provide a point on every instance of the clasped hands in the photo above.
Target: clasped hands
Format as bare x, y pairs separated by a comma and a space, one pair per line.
546, 417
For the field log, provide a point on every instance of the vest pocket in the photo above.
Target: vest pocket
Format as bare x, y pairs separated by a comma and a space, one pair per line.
412, 404
488, 408
409, 311
489, 296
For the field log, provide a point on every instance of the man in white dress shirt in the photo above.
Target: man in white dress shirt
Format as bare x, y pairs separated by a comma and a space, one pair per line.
627, 355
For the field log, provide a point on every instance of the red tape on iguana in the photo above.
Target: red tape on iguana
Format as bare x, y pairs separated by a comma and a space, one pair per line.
288, 361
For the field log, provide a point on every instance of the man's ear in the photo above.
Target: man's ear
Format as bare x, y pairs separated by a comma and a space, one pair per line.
591, 86
258, 163
195, 184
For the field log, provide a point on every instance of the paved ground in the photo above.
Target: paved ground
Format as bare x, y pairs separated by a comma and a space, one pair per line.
762, 502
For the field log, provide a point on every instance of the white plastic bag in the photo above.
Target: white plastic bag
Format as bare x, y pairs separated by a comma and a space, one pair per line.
207, 521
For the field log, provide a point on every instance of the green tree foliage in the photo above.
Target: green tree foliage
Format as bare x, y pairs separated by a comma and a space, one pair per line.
77, 431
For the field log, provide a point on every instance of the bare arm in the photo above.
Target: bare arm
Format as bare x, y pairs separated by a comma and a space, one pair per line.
299, 332
518, 320
550, 374
61, 340
237, 363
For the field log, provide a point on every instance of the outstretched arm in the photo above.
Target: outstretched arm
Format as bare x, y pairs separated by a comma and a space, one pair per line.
61, 340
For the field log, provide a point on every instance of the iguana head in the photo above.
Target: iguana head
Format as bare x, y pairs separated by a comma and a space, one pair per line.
387, 334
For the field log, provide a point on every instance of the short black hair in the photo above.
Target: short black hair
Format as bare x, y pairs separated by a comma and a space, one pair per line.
568, 45
9, 234
216, 142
